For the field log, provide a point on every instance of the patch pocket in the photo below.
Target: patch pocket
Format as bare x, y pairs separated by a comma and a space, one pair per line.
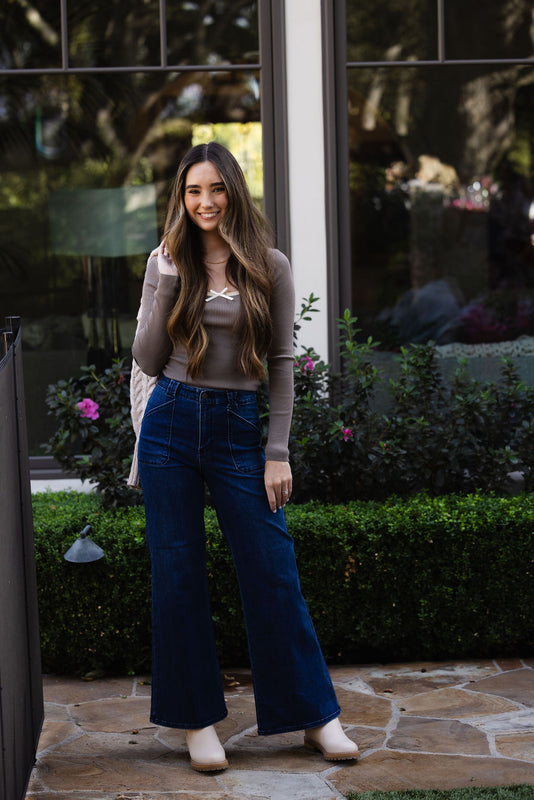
156, 429
245, 439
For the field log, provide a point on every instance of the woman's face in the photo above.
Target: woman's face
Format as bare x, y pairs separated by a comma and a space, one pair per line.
205, 195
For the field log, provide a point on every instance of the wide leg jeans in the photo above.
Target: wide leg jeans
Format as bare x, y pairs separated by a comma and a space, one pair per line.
191, 437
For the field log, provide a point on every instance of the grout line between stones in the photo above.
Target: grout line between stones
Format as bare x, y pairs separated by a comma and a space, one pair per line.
330, 785
392, 725
53, 747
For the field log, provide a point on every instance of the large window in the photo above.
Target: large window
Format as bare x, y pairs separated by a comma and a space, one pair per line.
441, 168
98, 102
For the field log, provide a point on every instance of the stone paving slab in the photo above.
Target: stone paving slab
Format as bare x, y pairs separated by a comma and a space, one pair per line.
517, 721
404, 680
516, 685
84, 795
56, 712
364, 709
260, 785
438, 736
55, 734
68, 691
509, 663
67, 773
122, 715
455, 703
401, 771
514, 745
142, 745
424, 725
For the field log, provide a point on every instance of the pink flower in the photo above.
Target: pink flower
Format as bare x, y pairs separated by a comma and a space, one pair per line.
306, 364
347, 434
120, 379
88, 408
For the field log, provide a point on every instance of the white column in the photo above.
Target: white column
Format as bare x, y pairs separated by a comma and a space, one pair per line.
306, 164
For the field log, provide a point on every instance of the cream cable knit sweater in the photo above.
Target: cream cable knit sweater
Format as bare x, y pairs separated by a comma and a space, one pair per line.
141, 387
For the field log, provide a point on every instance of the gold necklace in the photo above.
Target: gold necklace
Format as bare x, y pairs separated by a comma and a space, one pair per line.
224, 260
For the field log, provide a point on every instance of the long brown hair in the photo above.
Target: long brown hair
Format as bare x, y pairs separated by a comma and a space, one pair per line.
246, 232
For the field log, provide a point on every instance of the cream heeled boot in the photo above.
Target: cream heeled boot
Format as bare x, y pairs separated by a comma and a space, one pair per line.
332, 741
205, 750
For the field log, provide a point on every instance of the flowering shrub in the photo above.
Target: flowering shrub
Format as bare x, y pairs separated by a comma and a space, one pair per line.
432, 434
95, 439
332, 421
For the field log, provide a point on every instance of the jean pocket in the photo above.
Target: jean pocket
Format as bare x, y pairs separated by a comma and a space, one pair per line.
157, 400
156, 429
245, 439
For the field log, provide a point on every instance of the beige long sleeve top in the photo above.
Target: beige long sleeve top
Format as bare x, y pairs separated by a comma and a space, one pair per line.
155, 354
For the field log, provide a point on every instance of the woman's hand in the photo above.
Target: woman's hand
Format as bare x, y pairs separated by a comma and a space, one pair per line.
166, 265
278, 483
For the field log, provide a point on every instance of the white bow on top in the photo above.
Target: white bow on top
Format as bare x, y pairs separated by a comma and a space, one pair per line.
215, 294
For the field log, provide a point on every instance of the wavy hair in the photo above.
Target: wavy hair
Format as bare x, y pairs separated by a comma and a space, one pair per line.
246, 231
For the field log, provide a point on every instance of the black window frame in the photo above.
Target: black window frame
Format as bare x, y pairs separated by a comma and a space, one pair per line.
335, 70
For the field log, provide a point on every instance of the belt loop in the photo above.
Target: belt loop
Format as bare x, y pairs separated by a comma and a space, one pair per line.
171, 386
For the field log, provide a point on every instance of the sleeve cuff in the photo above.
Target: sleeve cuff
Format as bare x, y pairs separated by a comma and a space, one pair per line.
276, 453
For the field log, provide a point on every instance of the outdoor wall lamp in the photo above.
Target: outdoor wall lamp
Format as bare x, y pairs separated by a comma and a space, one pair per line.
84, 549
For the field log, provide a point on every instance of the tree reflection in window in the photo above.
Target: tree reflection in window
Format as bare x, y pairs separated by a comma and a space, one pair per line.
442, 202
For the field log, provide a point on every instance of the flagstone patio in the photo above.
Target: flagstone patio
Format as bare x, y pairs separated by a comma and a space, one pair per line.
425, 725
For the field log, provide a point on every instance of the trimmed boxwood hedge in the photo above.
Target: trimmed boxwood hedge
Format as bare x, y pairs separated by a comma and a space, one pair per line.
417, 578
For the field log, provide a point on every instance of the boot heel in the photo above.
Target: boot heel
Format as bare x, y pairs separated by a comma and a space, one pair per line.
311, 746
332, 742
205, 751
209, 767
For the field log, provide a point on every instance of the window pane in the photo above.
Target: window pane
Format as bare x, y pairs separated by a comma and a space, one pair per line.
30, 34
488, 29
112, 33
442, 207
213, 32
86, 165
391, 30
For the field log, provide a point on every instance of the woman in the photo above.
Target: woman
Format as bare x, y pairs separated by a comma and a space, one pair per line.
217, 301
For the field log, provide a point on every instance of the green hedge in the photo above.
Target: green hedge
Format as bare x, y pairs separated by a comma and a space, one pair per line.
417, 578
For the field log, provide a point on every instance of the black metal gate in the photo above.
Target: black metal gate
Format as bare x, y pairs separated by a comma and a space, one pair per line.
21, 695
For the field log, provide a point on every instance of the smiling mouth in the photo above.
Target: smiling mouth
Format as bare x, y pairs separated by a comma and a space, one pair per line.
208, 214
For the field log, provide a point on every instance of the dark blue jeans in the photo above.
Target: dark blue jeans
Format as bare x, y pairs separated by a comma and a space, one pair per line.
189, 437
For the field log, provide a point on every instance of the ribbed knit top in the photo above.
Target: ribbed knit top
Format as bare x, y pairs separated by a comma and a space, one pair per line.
155, 354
